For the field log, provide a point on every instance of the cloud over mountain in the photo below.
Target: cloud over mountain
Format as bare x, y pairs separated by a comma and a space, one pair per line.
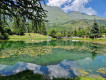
73, 5
57, 3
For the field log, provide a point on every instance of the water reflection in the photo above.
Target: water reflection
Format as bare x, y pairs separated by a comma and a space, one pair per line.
66, 68
56, 58
94, 49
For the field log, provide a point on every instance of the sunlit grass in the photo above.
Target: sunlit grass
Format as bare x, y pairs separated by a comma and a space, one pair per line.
29, 38
98, 40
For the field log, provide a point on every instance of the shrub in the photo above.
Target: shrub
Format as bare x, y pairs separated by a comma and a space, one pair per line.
53, 32
8, 30
5, 35
1, 37
58, 35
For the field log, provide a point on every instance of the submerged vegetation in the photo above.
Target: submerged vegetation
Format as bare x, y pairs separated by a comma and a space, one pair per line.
34, 51
27, 52
102, 71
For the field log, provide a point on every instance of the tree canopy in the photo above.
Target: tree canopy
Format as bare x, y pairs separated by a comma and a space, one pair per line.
26, 9
94, 32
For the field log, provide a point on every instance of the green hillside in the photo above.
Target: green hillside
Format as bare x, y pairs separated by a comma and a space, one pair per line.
61, 20
78, 15
56, 15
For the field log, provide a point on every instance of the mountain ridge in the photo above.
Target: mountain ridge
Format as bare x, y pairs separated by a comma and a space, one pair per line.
60, 20
57, 15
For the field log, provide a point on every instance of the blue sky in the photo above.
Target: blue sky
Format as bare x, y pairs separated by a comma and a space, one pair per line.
90, 7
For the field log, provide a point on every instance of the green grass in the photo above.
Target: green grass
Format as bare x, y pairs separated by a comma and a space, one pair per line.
102, 41
28, 75
32, 38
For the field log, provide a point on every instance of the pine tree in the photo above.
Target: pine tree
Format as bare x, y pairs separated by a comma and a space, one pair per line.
18, 26
3, 34
75, 32
27, 9
94, 32
43, 29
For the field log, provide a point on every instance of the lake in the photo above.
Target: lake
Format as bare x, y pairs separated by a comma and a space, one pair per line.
58, 58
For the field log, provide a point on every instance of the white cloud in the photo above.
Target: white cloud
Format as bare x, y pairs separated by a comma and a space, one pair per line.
73, 5
79, 5
105, 13
58, 71
57, 3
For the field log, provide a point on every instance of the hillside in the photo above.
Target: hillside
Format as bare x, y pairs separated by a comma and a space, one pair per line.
78, 15
56, 15
61, 20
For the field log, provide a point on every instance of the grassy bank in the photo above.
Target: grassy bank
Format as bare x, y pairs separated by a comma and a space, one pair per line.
29, 38
28, 75
98, 40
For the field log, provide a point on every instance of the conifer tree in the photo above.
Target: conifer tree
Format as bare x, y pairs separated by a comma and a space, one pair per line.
94, 32
43, 29
27, 9
18, 26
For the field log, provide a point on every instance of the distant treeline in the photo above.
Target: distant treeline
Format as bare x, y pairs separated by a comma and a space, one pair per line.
93, 31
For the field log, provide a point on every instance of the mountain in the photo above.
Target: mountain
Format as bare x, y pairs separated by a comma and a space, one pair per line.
61, 20
78, 15
56, 15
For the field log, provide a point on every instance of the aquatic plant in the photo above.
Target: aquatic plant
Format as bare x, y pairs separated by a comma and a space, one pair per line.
101, 70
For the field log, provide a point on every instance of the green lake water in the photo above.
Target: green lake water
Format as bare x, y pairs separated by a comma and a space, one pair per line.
58, 58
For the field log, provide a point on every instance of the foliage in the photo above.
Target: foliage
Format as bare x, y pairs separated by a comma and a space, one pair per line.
63, 33
52, 32
94, 32
80, 32
5, 35
18, 26
42, 29
26, 9
87, 31
58, 35
22, 11
8, 30
102, 31
1, 37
